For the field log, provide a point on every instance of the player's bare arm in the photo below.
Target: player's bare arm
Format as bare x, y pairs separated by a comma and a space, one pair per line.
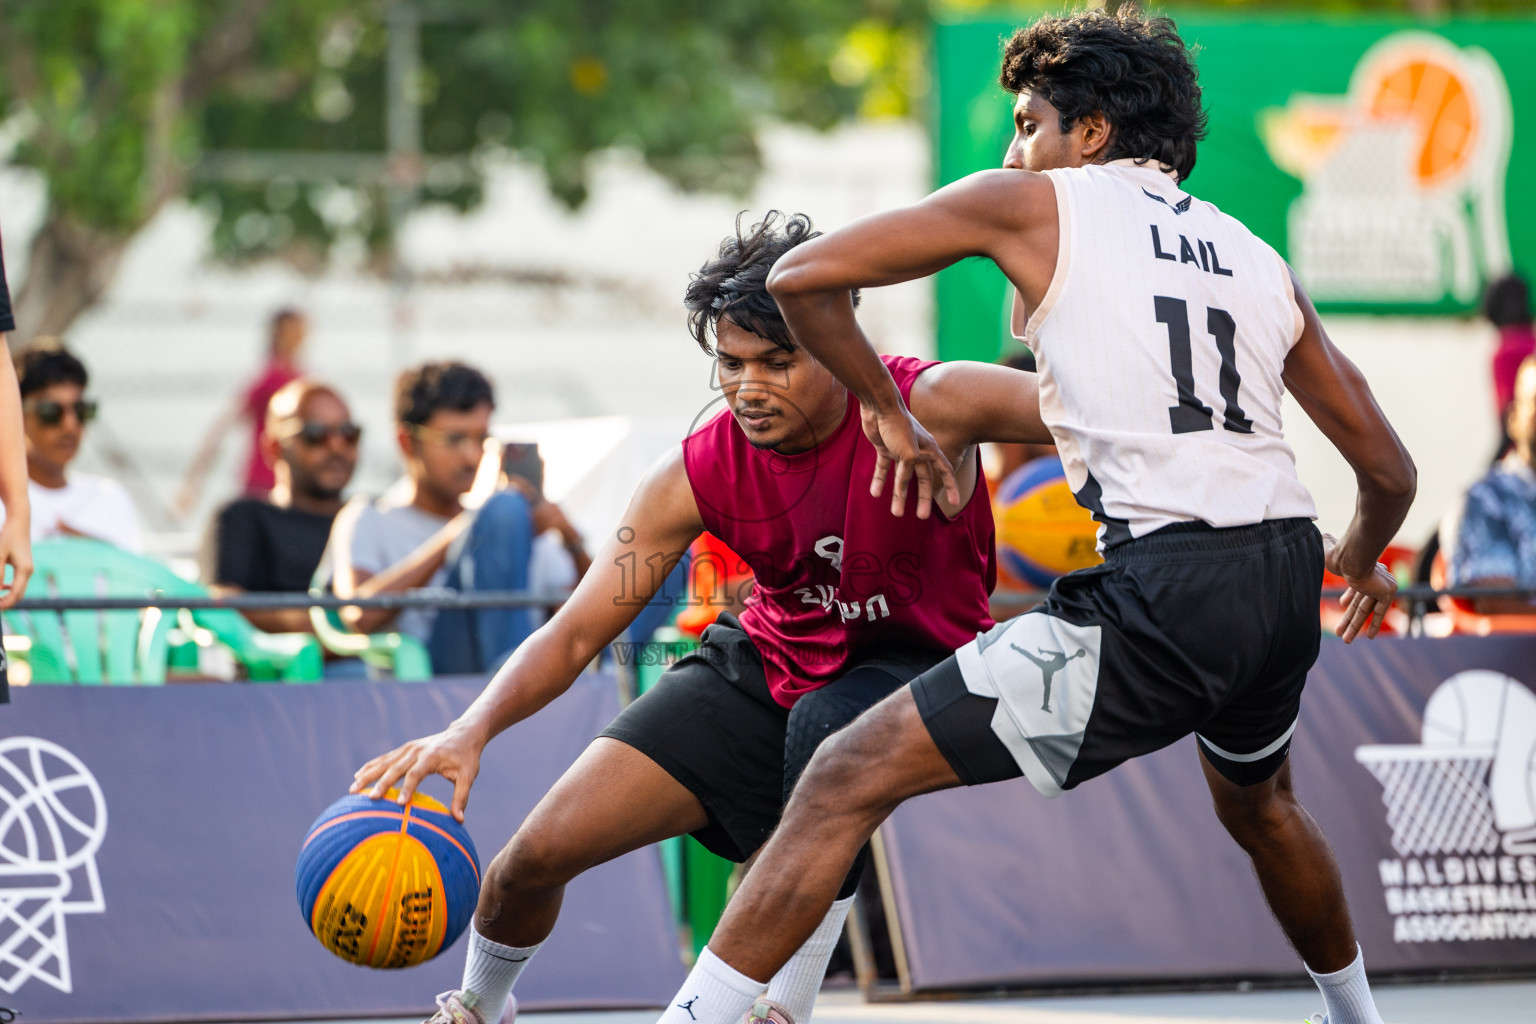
965, 403
662, 517
15, 533
1334, 394
1008, 216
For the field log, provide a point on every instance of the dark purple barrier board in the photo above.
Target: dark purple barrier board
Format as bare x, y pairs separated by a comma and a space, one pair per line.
1130, 878
148, 838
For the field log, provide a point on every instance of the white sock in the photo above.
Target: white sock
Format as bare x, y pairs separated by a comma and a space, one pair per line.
798, 981
715, 993
489, 973
1347, 994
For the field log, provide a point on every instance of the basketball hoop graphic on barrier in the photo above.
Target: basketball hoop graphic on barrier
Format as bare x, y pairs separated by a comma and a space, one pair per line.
1470, 786
52, 821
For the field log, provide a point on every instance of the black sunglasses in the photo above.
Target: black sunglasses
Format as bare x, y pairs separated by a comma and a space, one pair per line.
50, 413
316, 434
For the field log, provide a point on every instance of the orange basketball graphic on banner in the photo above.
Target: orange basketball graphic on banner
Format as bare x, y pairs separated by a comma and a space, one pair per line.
1432, 94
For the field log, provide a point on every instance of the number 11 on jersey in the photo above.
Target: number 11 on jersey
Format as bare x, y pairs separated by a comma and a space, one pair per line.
1191, 414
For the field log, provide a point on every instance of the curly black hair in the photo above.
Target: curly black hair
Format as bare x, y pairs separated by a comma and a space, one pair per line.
734, 284
422, 390
1133, 69
47, 362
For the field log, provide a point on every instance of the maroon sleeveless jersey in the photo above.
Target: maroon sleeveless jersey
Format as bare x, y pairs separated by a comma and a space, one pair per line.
839, 579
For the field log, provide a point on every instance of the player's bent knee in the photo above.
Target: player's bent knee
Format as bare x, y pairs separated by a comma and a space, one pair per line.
846, 777
534, 860
1255, 818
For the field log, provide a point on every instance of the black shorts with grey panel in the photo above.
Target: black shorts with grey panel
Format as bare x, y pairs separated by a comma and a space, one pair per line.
711, 723
1190, 629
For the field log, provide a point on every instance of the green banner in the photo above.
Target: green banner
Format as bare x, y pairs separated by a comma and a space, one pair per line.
1373, 154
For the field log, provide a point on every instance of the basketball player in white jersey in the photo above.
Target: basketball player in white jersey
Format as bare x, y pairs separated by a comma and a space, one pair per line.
1165, 333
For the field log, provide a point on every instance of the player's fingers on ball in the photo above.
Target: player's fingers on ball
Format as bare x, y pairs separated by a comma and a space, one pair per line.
410, 781
390, 773
363, 777
460, 795
374, 765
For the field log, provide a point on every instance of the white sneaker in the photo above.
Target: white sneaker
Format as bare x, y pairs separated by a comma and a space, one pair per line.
451, 1010
766, 1011
1316, 1018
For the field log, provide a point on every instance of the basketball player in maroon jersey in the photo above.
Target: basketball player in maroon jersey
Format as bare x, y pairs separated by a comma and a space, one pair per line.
850, 603
1166, 334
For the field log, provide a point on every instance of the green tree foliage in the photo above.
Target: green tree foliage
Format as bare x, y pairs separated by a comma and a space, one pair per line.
108, 99
125, 104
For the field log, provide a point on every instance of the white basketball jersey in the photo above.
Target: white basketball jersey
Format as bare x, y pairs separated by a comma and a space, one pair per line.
1160, 345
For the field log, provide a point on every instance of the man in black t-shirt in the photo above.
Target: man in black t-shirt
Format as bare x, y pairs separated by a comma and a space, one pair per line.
275, 543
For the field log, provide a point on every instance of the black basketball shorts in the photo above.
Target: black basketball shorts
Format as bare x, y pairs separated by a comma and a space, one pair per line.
711, 723
1190, 629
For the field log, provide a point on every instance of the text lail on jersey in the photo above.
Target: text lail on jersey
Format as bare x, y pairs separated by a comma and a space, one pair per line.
1202, 254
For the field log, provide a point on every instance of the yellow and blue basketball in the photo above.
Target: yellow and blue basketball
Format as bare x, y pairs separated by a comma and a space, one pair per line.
384, 885
1042, 532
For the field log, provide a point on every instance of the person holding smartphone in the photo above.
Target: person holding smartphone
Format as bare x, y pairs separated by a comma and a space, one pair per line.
559, 557
432, 530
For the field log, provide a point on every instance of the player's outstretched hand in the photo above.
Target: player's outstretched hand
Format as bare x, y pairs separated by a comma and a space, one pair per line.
900, 440
1366, 598
451, 753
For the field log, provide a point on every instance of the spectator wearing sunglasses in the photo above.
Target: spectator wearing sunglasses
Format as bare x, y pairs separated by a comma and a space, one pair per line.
55, 411
274, 543
419, 534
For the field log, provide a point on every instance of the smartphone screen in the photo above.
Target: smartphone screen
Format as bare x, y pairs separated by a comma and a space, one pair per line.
521, 458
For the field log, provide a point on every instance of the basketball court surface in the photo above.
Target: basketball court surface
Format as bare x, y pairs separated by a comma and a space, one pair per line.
1471, 1003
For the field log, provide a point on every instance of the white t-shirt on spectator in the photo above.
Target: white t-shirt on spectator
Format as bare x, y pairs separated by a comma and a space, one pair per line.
92, 505
383, 532
551, 567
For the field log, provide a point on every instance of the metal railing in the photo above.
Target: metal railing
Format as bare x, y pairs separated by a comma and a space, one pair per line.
426, 597
1416, 593
1416, 596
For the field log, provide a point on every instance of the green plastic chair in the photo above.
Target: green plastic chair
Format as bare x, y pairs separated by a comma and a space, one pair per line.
404, 657
133, 647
